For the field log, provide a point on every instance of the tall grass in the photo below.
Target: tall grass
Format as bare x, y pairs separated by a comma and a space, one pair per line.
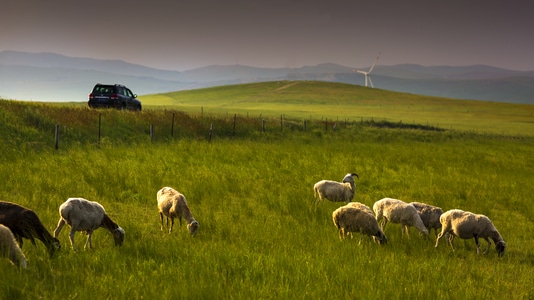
261, 235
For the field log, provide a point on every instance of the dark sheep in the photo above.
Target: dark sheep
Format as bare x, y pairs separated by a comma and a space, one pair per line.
24, 223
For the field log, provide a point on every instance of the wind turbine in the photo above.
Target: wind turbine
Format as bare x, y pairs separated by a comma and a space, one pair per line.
366, 74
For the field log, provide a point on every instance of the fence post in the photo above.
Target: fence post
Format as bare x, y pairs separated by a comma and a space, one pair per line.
99, 126
235, 119
57, 137
211, 132
172, 125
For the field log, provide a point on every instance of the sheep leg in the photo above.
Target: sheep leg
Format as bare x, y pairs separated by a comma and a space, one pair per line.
489, 246
161, 218
172, 224
383, 223
71, 237
451, 241
478, 244
60, 225
438, 238
88, 242
404, 228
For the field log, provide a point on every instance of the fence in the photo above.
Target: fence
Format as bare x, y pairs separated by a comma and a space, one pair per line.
211, 126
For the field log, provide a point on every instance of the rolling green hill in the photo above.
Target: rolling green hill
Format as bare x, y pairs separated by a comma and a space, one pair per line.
337, 101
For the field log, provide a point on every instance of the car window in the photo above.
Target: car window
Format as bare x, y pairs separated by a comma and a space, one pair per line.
102, 89
128, 93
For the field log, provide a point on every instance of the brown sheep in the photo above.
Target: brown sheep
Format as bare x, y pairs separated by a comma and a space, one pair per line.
24, 223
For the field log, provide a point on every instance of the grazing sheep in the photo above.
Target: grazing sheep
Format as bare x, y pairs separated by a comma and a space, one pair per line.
429, 215
361, 206
84, 215
9, 247
172, 204
24, 223
356, 218
397, 211
336, 191
467, 225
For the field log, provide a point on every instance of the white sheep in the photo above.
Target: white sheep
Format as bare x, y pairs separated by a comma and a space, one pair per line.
172, 204
429, 215
354, 217
336, 191
10, 248
400, 212
467, 225
85, 215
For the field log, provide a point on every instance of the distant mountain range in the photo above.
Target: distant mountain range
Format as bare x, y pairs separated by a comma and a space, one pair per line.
54, 77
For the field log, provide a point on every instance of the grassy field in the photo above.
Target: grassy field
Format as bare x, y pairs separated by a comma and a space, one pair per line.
260, 234
336, 101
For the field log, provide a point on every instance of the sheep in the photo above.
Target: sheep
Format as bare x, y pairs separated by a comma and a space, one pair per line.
467, 225
172, 204
397, 211
361, 206
9, 247
336, 191
85, 215
356, 218
24, 223
429, 215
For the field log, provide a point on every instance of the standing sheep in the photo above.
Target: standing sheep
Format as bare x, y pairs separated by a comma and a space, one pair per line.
336, 191
397, 211
429, 215
24, 223
9, 247
353, 218
84, 215
172, 204
467, 225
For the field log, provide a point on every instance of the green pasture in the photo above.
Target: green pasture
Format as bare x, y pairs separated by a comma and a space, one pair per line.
340, 102
261, 235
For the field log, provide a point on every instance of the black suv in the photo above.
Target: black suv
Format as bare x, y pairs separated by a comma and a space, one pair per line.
113, 95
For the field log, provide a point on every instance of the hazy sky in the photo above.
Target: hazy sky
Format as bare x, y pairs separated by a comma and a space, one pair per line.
182, 35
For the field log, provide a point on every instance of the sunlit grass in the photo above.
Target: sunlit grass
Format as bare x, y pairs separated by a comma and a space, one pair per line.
260, 233
339, 102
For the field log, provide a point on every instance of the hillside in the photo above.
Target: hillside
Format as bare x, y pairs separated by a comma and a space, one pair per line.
318, 102
338, 102
53, 77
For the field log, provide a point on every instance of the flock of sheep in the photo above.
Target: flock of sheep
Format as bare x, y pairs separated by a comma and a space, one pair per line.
359, 218
17, 222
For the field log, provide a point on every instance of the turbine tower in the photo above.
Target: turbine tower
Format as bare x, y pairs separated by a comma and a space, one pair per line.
366, 74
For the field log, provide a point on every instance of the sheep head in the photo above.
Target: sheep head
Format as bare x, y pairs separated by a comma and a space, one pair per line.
500, 247
193, 227
118, 236
349, 177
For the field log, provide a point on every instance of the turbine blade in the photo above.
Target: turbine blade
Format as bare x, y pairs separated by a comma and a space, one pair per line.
372, 67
